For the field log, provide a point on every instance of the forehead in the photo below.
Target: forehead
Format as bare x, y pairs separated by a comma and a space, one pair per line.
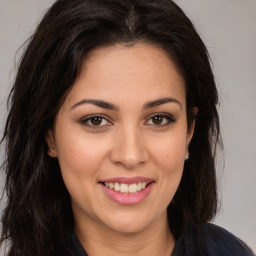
120, 72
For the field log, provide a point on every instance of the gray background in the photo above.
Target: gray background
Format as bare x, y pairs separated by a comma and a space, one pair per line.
228, 28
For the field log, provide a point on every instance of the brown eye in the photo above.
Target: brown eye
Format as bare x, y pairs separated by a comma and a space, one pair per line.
97, 120
160, 120
157, 120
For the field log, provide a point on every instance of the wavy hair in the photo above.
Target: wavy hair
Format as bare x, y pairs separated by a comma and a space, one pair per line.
38, 211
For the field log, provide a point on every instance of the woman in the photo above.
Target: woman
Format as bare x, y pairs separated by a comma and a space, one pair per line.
111, 136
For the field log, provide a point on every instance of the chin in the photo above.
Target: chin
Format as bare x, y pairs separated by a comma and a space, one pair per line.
128, 223
128, 229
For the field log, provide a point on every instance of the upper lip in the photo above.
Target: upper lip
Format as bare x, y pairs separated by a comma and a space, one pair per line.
128, 180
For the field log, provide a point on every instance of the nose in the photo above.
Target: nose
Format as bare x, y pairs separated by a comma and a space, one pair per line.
129, 148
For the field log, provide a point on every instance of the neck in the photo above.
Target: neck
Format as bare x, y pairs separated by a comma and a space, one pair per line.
154, 240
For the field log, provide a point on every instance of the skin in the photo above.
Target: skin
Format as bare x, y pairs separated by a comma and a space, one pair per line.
127, 142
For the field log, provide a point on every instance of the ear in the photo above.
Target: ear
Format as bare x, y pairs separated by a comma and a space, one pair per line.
51, 144
192, 126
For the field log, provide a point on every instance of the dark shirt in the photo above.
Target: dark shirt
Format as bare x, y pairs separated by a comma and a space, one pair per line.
204, 240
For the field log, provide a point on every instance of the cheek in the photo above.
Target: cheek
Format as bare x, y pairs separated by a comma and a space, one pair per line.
80, 160
171, 165
169, 159
79, 152
170, 153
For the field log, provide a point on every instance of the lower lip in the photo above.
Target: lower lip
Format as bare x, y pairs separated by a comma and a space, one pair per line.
127, 198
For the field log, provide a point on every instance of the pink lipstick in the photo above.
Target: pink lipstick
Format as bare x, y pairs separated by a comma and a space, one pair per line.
127, 191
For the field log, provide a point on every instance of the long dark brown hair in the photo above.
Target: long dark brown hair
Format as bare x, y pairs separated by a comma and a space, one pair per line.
38, 211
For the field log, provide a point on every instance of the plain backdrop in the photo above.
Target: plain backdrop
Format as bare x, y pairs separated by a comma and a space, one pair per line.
228, 27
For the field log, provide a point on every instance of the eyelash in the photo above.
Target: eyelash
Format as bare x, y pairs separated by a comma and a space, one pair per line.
89, 118
168, 119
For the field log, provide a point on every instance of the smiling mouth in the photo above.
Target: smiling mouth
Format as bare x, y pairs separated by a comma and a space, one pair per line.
126, 188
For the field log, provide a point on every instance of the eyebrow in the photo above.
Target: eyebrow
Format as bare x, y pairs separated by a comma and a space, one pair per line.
107, 105
98, 103
161, 101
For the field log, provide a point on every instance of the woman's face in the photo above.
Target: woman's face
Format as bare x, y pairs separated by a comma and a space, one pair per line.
121, 138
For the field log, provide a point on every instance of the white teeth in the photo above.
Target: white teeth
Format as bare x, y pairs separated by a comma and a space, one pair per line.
116, 186
125, 188
132, 188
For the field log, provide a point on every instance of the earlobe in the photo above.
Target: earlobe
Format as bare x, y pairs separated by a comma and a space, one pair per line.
190, 131
192, 126
51, 144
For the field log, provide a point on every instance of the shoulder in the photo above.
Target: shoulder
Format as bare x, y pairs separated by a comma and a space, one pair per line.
212, 240
73, 246
222, 240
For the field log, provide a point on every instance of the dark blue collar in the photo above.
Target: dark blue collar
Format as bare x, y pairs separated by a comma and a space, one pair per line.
205, 239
